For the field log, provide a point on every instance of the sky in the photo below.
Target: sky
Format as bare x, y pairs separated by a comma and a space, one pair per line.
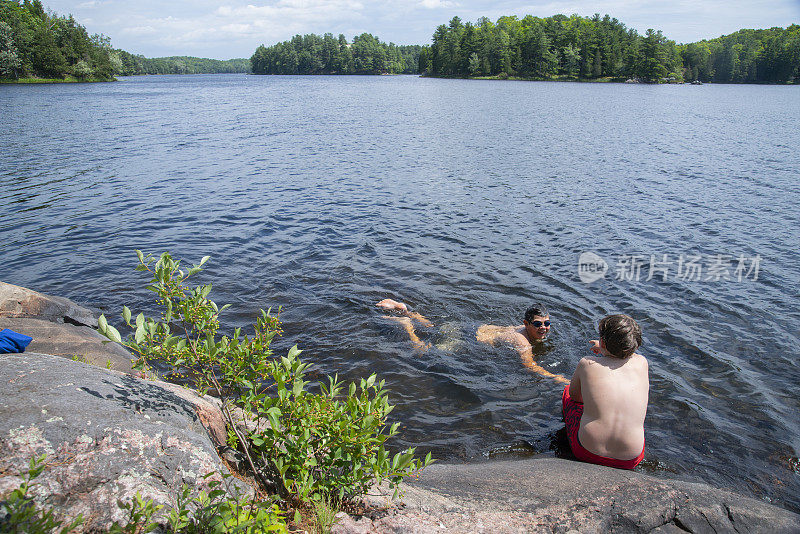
235, 28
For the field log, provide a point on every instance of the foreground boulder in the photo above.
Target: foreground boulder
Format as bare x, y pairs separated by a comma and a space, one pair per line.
59, 327
106, 434
554, 495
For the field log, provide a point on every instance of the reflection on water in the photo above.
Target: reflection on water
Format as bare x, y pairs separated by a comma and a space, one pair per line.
467, 199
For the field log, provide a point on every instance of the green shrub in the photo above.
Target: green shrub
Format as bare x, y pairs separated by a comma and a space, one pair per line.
218, 511
327, 443
19, 513
221, 511
304, 444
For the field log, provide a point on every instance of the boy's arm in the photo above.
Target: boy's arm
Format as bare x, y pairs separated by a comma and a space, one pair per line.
526, 354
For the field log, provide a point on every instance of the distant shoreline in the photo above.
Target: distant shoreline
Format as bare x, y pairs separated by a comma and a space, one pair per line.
69, 79
594, 80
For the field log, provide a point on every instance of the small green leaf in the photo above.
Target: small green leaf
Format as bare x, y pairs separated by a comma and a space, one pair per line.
139, 335
140, 255
205, 259
102, 324
113, 334
126, 314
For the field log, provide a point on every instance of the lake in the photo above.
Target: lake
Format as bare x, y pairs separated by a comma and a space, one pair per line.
469, 200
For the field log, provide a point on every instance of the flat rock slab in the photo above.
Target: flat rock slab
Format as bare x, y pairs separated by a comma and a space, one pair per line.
19, 302
60, 327
554, 495
71, 341
106, 434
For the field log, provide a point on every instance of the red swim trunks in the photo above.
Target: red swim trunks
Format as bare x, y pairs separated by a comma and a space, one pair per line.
572, 412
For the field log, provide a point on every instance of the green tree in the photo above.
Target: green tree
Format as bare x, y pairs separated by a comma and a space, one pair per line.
10, 63
424, 63
46, 57
570, 60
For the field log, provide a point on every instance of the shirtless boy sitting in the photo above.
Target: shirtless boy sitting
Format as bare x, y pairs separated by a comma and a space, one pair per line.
533, 330
604, 405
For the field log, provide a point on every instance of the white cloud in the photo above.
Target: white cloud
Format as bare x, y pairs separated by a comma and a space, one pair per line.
437, 4
234, 28
139, 30
239, 29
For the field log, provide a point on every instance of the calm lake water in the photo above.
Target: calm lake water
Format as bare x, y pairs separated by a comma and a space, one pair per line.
467, 199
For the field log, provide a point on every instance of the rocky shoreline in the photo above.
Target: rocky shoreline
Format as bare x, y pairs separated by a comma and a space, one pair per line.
109, 433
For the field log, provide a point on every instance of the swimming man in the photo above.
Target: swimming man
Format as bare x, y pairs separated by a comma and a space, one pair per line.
533, 331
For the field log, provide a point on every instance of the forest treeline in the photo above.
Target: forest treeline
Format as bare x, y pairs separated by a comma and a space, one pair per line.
136, 64
557, 47
38, 43
552, 47
746, 56
593, 47
41, 44
314, 54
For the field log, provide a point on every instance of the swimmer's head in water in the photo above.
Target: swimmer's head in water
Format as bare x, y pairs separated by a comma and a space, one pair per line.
537, 322
536, 309
620, 335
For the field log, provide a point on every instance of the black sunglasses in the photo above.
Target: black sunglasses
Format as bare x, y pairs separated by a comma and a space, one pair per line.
538, 324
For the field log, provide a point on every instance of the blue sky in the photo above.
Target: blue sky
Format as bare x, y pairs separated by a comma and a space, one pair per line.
234, 28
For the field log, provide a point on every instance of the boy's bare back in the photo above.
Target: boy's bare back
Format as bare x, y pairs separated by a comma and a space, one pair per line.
614, 393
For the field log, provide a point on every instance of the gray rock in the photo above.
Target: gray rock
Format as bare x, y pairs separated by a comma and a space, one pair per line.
59, 327
107, 435
16, 301
71, 341
553, 495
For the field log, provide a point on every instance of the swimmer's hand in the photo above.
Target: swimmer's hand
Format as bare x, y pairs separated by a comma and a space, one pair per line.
389, 304
596, 346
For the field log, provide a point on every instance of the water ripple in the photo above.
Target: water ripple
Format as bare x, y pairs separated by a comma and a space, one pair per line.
467, 199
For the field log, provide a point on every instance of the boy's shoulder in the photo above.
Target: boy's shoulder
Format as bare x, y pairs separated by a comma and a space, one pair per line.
599, 361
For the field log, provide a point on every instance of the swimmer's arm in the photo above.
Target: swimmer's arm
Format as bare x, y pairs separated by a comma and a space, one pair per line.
575, 383
526, 354
408, 326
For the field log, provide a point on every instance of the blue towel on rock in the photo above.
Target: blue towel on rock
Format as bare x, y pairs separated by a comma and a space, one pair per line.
11, 341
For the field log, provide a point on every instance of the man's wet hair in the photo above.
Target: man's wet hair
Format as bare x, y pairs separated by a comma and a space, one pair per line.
533, 311
621, 335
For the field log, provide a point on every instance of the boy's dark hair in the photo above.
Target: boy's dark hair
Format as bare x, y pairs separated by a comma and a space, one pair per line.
621, 335
533, 311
